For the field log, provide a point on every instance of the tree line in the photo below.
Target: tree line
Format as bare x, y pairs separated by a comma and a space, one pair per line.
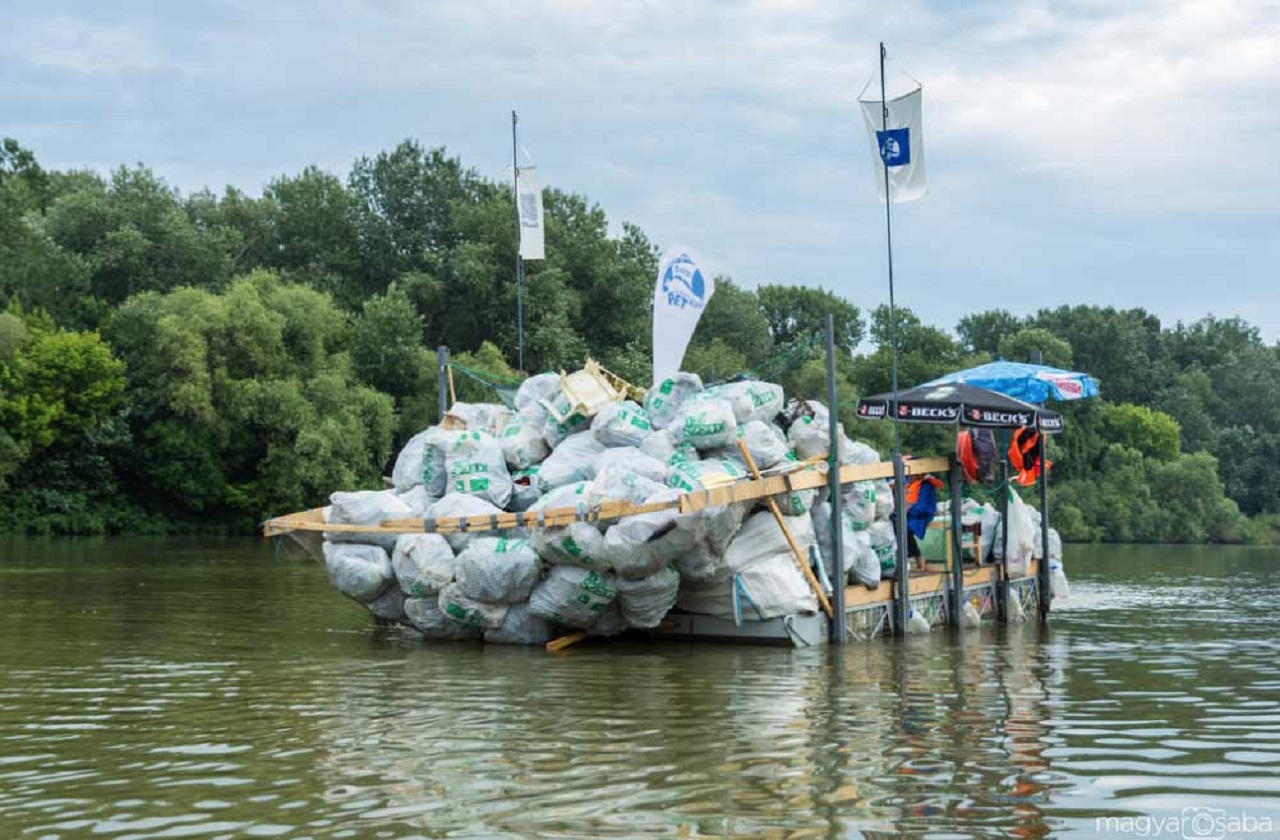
199, 362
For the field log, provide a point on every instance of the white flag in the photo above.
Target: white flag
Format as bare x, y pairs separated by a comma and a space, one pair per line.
901, 146
681, 293
529, 207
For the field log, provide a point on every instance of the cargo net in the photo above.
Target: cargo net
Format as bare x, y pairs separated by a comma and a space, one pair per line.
585, 504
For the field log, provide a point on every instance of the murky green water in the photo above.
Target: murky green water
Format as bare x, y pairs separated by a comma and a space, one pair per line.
205, 689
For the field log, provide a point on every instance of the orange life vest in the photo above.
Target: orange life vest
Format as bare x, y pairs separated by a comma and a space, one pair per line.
1024, 456
913, 488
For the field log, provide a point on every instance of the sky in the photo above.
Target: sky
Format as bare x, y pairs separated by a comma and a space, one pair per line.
1092, 152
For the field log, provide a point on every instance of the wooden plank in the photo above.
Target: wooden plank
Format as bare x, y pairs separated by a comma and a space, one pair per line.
803, 477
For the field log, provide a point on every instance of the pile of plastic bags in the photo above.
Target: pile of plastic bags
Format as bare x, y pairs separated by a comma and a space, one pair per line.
553, 451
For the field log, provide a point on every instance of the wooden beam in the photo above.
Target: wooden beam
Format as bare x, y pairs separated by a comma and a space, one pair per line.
803, 477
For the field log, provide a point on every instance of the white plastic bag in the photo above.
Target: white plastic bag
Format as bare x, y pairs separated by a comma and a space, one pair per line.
423, 564
646, 602
407, 471
1022, 535
576, 544
497, 570
477, 467
469, 612
639, 546
885, 544
763, 580
424, 615
532, 391
358, 571
365, 507
572, 596
435, 445
765, 442
417, 499
664, 399
860, 503
659, 445
706, 422
458, 505
632, 459
750, 400
522, 443
520, 627
621, 424
572, 461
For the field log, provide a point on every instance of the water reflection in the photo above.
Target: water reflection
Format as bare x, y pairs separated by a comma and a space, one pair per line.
166, 690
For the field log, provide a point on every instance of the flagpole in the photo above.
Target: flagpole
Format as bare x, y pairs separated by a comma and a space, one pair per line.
515, 169
888, 232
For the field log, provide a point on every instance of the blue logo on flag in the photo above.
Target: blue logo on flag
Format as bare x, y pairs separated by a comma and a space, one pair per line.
895, 146
682, 283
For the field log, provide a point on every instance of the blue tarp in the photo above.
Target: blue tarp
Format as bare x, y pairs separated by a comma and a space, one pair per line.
1026, 382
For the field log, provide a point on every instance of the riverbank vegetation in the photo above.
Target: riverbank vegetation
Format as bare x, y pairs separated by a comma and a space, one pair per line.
175, 362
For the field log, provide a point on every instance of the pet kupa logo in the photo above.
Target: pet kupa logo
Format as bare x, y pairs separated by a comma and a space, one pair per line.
683, 285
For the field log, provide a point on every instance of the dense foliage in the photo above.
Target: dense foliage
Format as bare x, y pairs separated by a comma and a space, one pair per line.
203, 361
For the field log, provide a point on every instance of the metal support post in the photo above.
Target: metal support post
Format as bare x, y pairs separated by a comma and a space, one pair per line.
957, 541
442, 379
902, 588
833, 490
1042, 572
1002, 587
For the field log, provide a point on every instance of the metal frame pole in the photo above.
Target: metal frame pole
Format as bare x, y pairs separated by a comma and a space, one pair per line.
442, 379
515, 169
833, 490
1002, 588
1042, 571
902, 573
957, 541
888, 233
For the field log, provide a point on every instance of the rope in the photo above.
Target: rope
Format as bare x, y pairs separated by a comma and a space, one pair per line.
771, 369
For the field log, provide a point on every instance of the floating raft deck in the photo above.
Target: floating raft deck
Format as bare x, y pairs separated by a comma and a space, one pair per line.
936, 595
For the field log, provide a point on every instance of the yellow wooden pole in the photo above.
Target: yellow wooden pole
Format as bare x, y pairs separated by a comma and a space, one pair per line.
801, 560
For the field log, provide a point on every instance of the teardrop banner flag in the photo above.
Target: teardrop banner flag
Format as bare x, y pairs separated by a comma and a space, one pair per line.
529, 196
679, 296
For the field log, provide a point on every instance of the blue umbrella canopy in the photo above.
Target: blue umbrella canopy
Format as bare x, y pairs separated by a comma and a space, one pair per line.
1026, 382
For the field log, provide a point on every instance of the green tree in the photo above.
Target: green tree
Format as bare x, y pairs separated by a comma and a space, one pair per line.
245, 403
794, 313
1022, 346
983, 332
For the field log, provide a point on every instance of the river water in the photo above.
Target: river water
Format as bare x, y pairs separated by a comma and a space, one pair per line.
154, 688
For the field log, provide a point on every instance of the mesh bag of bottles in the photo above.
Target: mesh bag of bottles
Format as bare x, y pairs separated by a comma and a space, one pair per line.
645, 602
476, 466
358, 571
664, 399
621, 424
520, 626
706, 423
468, 612
425, 616
497, 570
423, 564
572, 596
750, 400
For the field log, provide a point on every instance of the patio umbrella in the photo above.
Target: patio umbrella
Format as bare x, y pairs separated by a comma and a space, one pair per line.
968, 405
1027, 382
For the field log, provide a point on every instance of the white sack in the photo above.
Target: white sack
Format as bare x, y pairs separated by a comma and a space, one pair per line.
423, 564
